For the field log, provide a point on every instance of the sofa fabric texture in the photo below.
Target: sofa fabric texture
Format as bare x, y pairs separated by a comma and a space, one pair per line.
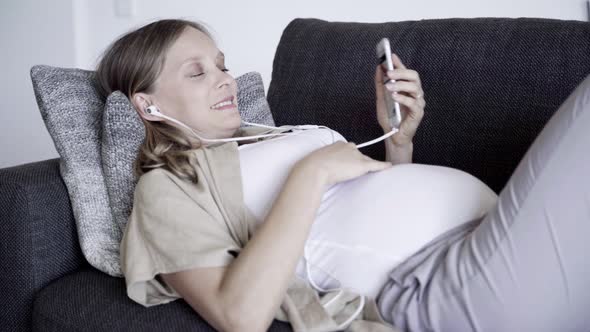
490, 83
59, 306
38, 238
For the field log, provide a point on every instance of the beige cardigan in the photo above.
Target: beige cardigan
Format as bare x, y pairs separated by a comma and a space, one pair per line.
176, 225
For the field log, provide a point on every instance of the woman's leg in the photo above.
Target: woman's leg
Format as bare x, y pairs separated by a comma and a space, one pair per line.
526, 266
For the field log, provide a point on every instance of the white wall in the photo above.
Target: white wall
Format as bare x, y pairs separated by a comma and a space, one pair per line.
31, 32
75, 32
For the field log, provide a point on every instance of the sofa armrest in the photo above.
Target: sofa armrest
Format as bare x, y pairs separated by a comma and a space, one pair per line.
38, 238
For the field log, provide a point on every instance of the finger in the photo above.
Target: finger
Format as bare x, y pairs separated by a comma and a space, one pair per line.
376, 165
353, 146
416, 111
378, 82
404, 86
404, 74
378, 74
397, 62
371, 160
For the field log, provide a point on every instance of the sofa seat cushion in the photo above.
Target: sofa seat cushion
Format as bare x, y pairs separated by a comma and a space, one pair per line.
90, 300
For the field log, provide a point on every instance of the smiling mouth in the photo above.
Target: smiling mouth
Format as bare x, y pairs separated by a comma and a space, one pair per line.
226, 104
223, 106
225, 101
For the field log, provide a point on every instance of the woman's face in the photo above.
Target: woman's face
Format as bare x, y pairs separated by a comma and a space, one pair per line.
193, 82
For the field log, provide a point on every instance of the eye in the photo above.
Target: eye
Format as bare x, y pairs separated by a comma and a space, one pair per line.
197, 75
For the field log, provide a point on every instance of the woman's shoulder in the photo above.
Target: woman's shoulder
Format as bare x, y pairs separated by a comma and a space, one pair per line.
156, 180
155, 175
159, 187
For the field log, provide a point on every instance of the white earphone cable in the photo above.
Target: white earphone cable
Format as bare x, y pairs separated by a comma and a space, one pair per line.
340, 290
154, 111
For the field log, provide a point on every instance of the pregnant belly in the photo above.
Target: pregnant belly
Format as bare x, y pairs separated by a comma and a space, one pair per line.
366, 226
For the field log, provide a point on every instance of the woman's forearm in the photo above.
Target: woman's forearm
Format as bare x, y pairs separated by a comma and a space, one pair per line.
256, 282
398, 154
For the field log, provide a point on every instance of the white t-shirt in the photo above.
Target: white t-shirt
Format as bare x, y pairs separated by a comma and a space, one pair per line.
365, 226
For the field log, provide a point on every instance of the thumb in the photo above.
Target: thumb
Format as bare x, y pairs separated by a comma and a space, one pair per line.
379, 82
376, 165
397, 62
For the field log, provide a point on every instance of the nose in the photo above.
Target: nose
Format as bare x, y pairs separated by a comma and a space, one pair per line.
225, 79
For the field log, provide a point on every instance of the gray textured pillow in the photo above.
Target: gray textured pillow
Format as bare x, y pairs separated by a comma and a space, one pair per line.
123, 132
252, 103
72, 111
92, 137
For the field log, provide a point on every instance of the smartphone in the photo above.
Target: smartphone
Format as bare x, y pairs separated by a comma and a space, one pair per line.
384, 58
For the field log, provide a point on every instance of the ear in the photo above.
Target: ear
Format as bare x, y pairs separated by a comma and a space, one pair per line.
141, 101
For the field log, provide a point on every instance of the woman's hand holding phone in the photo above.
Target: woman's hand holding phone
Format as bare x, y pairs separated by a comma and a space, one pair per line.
407, 91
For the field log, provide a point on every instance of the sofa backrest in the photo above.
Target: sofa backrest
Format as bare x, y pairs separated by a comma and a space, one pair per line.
38, 238
490, 83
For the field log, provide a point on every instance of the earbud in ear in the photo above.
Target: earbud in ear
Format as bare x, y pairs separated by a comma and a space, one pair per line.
153, 110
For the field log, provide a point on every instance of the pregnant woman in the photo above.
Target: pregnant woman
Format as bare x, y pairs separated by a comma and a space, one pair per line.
228, 226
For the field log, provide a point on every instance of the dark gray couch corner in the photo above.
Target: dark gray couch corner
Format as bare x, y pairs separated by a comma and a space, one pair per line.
490, 84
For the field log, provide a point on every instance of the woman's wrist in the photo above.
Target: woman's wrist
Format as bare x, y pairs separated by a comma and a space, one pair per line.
306, 170
398, 153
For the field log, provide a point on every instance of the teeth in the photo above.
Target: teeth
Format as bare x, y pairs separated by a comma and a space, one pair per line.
222, 104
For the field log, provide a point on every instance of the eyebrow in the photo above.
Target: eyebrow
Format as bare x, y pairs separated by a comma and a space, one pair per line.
220, 55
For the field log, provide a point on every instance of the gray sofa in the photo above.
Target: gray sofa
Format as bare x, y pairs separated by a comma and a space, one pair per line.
490, 85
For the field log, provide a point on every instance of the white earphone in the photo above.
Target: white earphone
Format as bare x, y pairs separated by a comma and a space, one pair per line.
153, 110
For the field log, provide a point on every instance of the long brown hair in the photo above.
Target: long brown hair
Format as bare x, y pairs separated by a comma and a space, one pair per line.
131, 64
